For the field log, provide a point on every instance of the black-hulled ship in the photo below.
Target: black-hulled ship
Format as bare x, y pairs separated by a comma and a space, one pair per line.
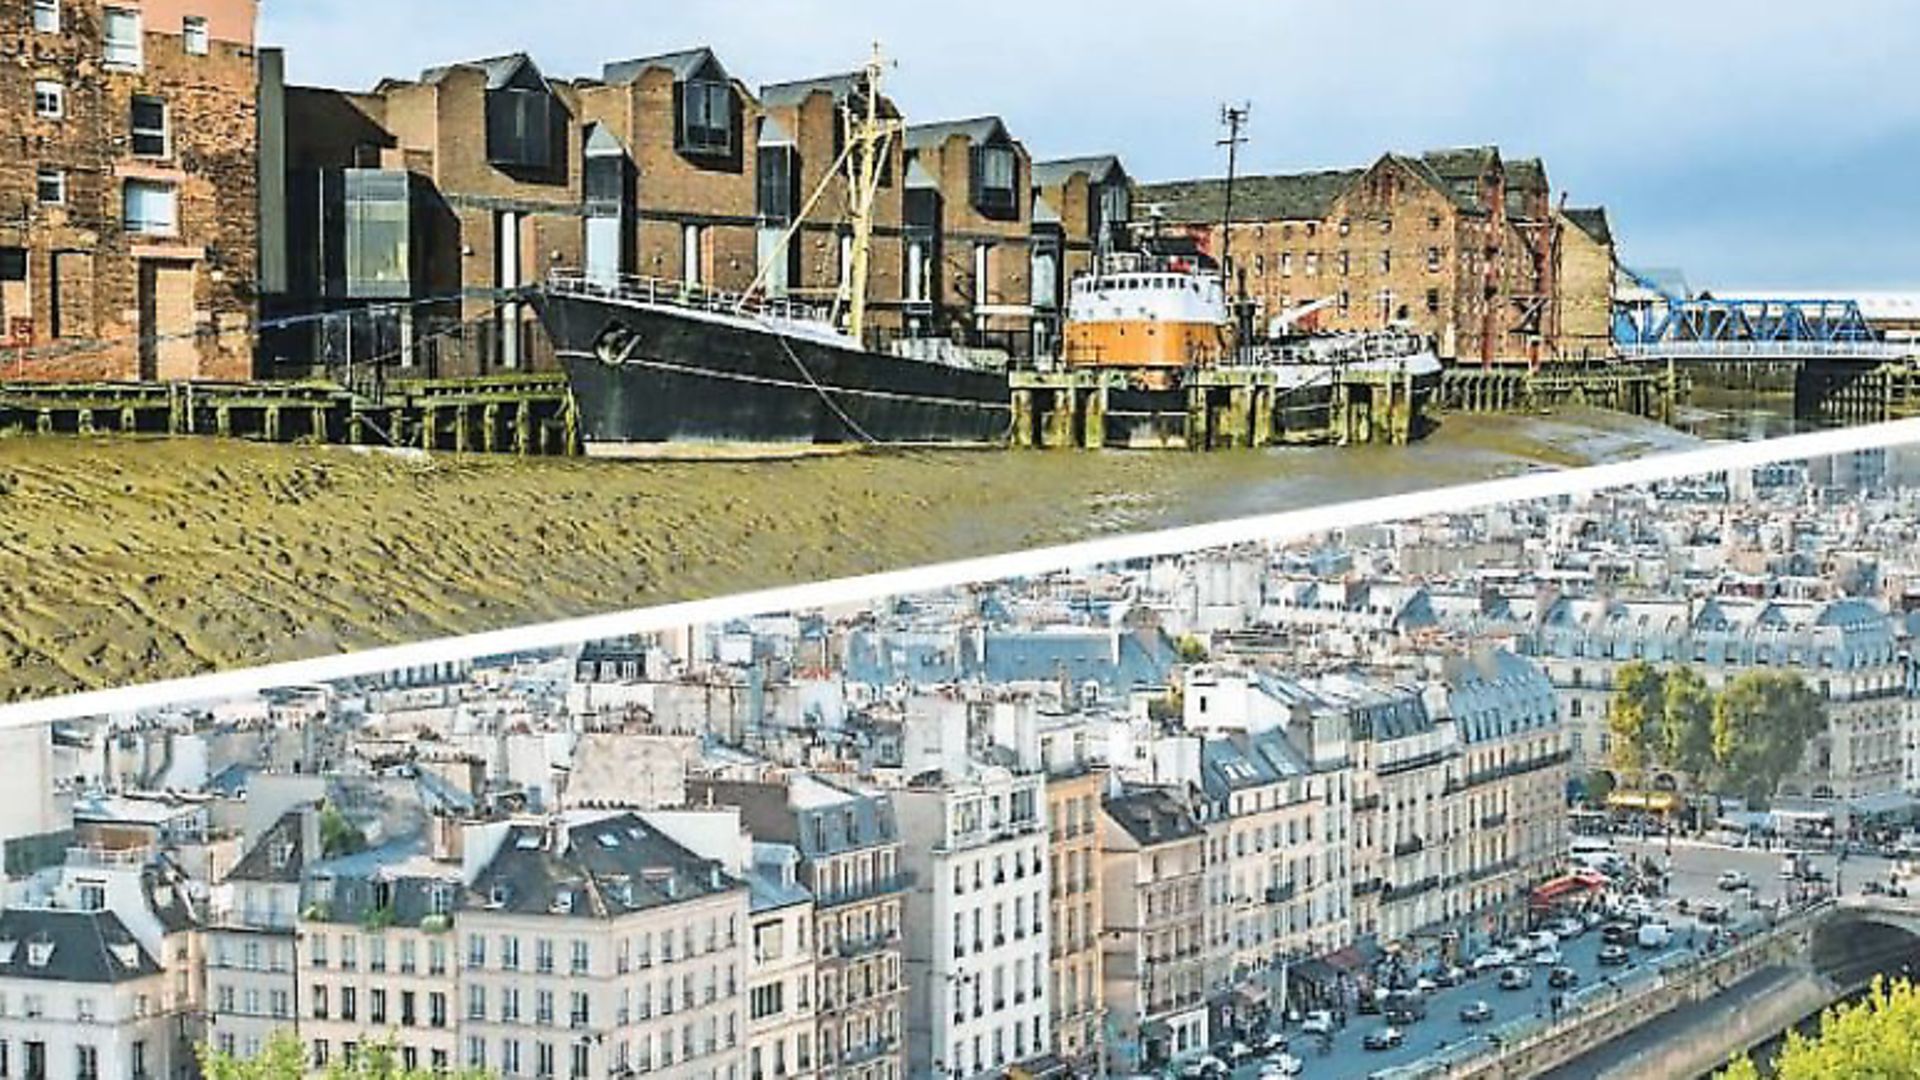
653, 362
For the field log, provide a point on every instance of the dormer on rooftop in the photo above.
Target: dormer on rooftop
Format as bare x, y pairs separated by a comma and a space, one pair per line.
706, 108
523, 117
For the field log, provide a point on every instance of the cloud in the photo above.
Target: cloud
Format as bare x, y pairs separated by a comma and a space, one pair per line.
1736, 139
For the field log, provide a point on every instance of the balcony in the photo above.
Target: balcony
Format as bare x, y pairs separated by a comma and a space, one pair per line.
1494, 821
878, 887
1409, 764
1281, 893
1412, 845
854, 1056
850, 948
1367, 887
1369, 802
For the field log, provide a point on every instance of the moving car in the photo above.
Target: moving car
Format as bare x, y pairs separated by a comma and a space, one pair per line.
1406, 1009
1569, 927
1492, 959
1385, 1038
1562, 977
1516, 978
1733, 881
1450, 976
1318, 1022
1548, 957
1617, 933
1656, 935
1476, 1012
1614, 955
1280, 1066
1711, 913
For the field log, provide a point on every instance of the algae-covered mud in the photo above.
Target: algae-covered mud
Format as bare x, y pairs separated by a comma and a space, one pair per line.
130, 560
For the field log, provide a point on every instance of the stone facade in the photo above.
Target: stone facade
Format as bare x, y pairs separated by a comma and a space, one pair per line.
132, 252
1074, 851
1588, 268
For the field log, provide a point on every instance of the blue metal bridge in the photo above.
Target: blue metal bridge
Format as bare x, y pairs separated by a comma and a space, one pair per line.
1660, 323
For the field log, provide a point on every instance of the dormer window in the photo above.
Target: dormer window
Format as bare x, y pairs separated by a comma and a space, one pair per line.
520, 128
994, 179
706, 117
39, 953
9, 947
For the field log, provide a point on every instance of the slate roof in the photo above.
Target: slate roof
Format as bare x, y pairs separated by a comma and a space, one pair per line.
278, 856
1098, 167
1238, 761
1495, 695
165, 887
818, 818
84, 947
1592, 221
979, 130
1528, 175
684, 64
1152, 816
609, 867
1289, 197
501, 71
1462, 162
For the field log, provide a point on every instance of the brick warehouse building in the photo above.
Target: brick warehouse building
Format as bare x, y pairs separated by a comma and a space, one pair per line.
1458, 244
127, 225
969, 186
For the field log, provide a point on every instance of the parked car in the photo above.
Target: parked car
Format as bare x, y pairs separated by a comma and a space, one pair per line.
1563, 977
1275, 1043
1451, 975
1385, 1038
1614, 955
1656, 935
1516, 978
1522, 946
1404, 1009
1549, 957
1733, 881
1476, 1012
1544, 939
1317, 1022
1617, 933
1369, 1004
1569, 927
1712, 913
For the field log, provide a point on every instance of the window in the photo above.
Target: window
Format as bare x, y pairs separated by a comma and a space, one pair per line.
1386, 261
122, 37
149, 126
49, 99
1433, 301
706, 118
46, 16
775, 183
193, 34
153, 210
52, 187
994, 180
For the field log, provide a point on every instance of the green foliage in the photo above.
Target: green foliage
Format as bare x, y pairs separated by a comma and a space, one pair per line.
1686, 723
1190, 649
1762, 723
1171, 707
1877, 1038
1599, 786
284, 1058
1633, 716
338, 836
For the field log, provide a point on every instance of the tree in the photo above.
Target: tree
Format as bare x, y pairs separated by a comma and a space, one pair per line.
284, 1058
1633, 716
1686, 723
1762, 723
1876, 1037
1190, 649
338, 836
1599, 786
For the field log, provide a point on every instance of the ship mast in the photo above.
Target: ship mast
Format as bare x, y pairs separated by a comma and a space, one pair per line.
868, 143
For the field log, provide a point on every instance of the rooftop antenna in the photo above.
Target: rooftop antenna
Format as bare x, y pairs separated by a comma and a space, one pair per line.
1234, 119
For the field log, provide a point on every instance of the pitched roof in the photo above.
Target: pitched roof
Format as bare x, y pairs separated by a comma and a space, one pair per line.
842, 88
1288, 197
1462, 162
606, 867
501, 71
1098, 167
979, 130
684, 64
1591, 220
85, 947
277, 856
1527, 174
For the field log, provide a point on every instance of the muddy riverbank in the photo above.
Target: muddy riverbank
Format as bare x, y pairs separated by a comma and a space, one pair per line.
128, 560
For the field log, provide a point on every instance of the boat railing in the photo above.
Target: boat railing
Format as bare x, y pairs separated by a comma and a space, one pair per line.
1336, 351
665, 292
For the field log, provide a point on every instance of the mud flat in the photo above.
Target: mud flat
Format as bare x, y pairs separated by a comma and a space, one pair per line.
129, 560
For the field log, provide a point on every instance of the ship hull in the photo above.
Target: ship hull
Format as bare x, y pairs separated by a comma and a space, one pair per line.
648, 377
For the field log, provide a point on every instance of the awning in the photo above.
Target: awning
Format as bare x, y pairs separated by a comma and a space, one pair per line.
1552, 892
1885, 805
1044, 1067
1316, 971
1660, 802
1251, 994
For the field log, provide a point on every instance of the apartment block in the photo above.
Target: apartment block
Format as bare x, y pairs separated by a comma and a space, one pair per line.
416, 215
970, 187
1075, 909
377, 961
128, 249
977, 929
252, 942
1153, 951
852, 865
781, 968
802, 138
599, 945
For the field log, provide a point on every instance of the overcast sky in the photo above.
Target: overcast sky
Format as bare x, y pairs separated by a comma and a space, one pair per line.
1746, 145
